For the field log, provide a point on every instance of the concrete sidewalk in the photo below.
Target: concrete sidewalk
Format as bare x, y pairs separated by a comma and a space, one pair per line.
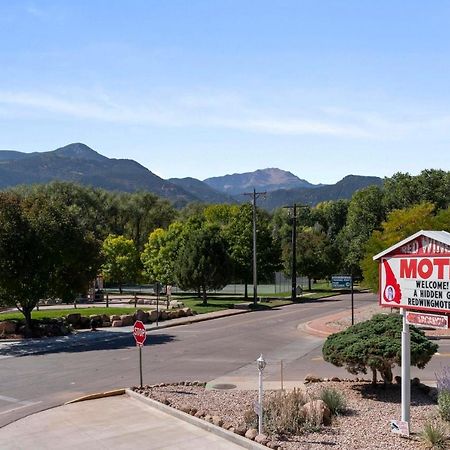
108, 423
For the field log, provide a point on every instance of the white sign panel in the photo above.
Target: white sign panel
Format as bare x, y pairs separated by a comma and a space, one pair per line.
412, 282
399, 427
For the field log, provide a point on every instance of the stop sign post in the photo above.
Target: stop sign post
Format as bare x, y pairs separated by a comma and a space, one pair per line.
140, 335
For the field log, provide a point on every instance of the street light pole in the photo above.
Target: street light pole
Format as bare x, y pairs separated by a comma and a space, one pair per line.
255, 195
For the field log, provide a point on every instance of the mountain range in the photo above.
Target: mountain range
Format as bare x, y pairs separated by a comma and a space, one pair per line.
81, 164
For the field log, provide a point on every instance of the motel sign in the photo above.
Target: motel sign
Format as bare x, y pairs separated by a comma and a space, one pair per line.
415, 273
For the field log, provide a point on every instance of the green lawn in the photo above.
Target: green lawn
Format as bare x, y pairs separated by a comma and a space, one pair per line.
55, 313
214, 303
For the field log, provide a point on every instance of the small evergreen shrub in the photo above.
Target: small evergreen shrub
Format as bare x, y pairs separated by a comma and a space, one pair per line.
334, 400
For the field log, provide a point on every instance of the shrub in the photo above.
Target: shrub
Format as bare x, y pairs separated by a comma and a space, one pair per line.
444, 404
334, 400
283, 412
376, 345
251, 419
443, 379
433, 436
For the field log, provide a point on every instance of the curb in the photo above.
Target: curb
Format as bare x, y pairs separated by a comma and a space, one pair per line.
211, 428
198, 318
96, 396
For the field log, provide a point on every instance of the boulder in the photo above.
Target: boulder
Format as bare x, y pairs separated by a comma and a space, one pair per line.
153, 315
175, 304
142, 316
187, 311
163, 315
127, 320
208, 418
310, 378
251, 434
316, 412
73, 318
7, 327
85, 322
262, 439
337, 379
240, 430
105, 318
216, 420
184, 408
106, 324
116, 323
114, 317
181, 313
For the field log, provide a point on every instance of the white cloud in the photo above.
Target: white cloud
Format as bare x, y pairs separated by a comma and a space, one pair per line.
228, 111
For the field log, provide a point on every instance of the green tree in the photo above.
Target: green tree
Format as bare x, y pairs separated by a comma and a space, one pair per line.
365, 214
45, 252
399, 225
376, 345
239, 236
403, 190
161, 252
203, 261
122, 264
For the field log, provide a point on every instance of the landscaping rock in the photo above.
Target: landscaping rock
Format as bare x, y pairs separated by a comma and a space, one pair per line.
163, 315
116, 323
337, 379
142, 316
187, 311
240, 430
85, 322
317, 409
185, 409
181, 313
106, 324
73, 318
114, 317
251, 434
216, 420
175, 304
7, 327
261, 439
127, 320
312, 379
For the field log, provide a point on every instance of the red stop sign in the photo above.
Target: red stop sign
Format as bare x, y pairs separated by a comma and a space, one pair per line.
139, 333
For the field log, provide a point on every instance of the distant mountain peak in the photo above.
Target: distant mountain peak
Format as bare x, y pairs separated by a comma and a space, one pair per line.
78, 150
269, 179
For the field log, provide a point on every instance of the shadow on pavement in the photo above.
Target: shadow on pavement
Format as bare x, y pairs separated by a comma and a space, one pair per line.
82, 342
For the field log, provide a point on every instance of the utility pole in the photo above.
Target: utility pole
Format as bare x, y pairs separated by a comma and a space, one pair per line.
255, 195
293, 208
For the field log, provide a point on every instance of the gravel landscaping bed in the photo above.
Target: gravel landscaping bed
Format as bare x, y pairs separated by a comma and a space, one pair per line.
365, 425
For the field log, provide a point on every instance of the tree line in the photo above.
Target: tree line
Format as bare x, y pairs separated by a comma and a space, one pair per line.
54, 238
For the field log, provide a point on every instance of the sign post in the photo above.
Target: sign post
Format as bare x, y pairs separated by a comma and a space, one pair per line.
344, 282
140, 335
414, 275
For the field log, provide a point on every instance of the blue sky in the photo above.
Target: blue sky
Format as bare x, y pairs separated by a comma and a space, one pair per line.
203, 88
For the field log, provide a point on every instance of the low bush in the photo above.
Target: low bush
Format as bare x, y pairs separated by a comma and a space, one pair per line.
334, 400
433, 436
444, 404
283, 412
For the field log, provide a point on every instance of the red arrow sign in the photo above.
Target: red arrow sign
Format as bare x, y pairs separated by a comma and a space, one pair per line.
139, 333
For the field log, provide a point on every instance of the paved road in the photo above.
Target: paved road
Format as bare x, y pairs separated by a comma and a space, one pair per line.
37, 376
